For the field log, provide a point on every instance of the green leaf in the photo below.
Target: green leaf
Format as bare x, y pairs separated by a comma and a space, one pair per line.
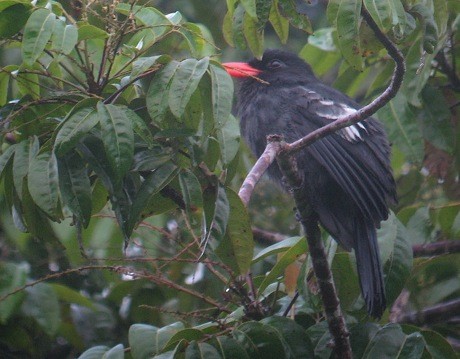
24, 152
250, 7
296, 19
4, 84
188, 334
155, 23
321, 61
386, 343
75, 187
413, 347
88, 32
254, 35
37, 32
360, 336
191, 191
346, 280
397, 261
418, 71
348, 18
260, 340
96, 352
146, 340
276, 248
229, 347
437, 346
117, 136
140, 128
141, 341
237, 27
5, 158
28, 84
441, 16
434, 280
12, 276
199, 39
143, 64
42, 304
148, 16
237, 247
151, 159
184, 83
263, 8
402, 130
74, 128
201, 351
284, 260
227, 28
430, 29
64, 38
215, 231
381, 13
70, 295
222, 94
229, 140
398, 18
435, 119
12, 19
332, 11
157, 94
152, 184
298, 345
43, 181
280, 23
92, 151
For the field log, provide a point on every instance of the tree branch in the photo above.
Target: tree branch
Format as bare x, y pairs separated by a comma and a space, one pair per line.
309, 220
436, 314
372, 107
436, 248
257, 171
267, 237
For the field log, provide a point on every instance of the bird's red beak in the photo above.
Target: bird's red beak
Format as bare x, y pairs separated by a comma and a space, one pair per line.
240, 69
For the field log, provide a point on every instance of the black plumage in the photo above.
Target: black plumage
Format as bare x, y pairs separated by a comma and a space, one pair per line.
346, 175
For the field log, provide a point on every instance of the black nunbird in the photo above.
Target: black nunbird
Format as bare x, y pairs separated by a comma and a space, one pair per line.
346, 176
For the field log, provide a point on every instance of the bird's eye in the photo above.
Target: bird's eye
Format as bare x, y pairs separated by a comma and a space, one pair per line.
275, 64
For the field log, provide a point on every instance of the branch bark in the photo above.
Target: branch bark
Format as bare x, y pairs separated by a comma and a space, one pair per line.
436, 314
257, 171
371, 108
309, 220
435, 249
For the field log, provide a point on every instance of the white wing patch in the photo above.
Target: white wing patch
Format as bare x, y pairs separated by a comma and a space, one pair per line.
351, 133
332, 110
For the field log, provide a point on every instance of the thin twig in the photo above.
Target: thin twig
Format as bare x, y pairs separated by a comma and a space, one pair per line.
113, 97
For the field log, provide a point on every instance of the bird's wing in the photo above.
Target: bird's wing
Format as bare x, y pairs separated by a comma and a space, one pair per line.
356, 157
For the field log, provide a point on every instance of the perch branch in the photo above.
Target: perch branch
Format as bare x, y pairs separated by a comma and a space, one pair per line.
264, 161
309, 220
371, 108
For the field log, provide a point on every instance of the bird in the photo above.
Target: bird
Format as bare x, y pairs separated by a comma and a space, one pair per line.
346, 176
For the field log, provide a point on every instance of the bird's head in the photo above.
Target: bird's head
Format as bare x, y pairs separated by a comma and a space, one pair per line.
276, 66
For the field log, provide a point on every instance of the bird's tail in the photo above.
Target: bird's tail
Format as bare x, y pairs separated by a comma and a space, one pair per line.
370, 270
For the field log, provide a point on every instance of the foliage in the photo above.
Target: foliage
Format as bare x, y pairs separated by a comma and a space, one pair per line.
118, 111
